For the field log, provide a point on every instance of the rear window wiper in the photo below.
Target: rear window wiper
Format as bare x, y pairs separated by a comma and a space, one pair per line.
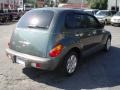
43, 27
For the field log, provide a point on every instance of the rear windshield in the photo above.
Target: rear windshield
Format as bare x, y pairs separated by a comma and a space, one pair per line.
36, 19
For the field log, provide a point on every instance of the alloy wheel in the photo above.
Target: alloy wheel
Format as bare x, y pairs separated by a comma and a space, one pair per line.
71, 64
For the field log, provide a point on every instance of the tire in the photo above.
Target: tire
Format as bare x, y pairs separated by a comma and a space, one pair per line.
108, 44
106, 22
70, 63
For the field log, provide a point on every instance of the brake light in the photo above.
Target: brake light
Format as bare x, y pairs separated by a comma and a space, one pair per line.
56, 50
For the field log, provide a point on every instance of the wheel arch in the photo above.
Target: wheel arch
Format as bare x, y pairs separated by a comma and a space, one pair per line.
75, 49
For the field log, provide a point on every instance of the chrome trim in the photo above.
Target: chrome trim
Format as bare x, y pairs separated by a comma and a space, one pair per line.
30, 57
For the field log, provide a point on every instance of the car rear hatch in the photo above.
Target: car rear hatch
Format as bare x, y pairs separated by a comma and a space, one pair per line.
32, 33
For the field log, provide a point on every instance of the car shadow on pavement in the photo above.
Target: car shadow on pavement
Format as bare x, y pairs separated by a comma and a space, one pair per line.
100, 70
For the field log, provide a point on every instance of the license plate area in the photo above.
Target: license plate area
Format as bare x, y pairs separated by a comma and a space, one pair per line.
20, 60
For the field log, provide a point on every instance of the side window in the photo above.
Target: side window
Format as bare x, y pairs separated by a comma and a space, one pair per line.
84, 21
92, 22
70, 21
73, 21
78, 20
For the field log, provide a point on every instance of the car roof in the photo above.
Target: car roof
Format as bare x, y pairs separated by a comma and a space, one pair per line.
59, 10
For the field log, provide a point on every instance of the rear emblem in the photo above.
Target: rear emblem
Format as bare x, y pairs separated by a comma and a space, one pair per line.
24, 43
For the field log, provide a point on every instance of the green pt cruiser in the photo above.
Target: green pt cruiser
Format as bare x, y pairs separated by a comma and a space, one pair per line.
48, 38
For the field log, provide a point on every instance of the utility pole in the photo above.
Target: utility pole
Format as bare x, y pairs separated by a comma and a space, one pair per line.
82, 2
8, 4
3, 5
23, 4
14, 4
35, 3
116, 5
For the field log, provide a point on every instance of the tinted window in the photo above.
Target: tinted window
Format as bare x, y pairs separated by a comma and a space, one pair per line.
70, 21
92, 22
75, 21
36, 19
84, 21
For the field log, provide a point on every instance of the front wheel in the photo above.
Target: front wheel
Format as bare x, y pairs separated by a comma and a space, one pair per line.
108, 44
105, 22
70, 63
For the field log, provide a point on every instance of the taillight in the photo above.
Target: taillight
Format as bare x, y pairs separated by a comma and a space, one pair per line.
56, 50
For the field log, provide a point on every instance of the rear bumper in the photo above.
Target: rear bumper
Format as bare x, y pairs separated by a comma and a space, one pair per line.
45, 63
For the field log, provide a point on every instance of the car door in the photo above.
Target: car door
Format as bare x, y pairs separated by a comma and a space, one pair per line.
71, 30
77, 31
95, 30
87, 38
84, 31
92, 34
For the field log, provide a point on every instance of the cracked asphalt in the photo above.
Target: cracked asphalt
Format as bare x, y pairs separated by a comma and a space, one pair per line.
100, 71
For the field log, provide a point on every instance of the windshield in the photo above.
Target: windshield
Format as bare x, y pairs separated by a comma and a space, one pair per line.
103, 13
117, 14
36, 19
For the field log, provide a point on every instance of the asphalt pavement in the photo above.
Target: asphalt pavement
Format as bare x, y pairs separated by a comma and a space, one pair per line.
100, 71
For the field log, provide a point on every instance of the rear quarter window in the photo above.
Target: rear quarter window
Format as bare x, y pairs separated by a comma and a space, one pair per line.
73, 20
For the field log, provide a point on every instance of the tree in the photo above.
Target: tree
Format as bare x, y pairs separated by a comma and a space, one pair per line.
30, 1
63, 1
49, 3
98, 4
